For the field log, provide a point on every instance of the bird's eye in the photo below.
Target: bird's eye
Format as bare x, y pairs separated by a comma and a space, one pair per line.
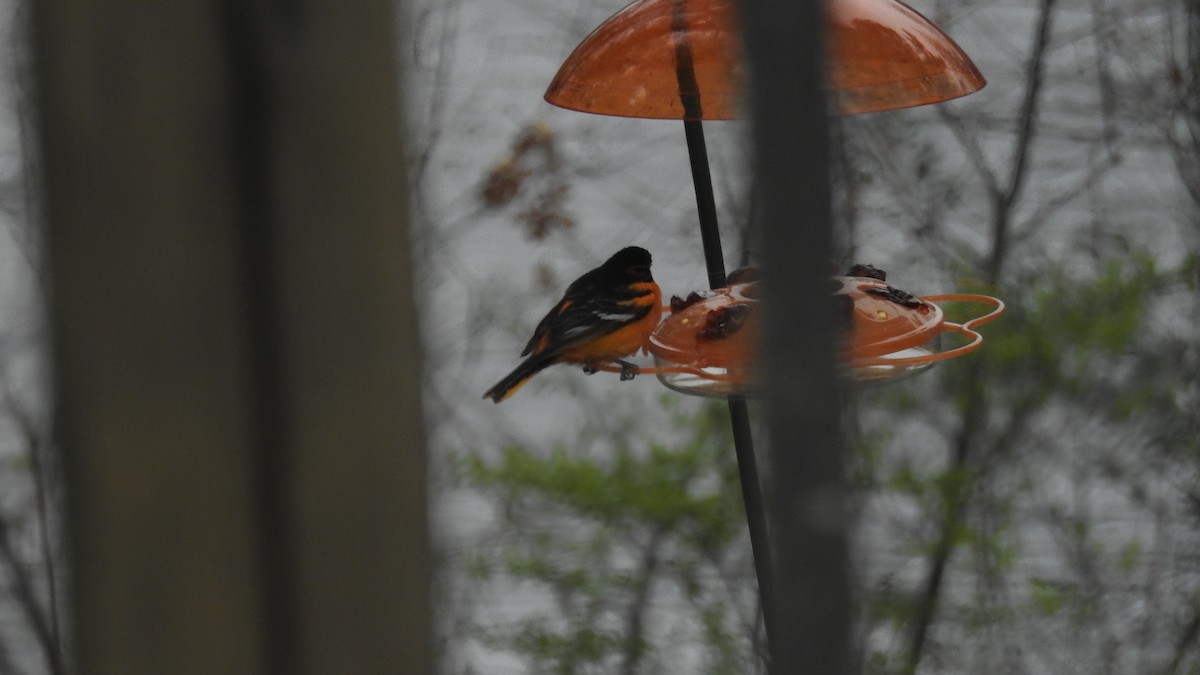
639, 270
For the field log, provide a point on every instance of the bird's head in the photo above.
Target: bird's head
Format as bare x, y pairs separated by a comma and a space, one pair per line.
632, 261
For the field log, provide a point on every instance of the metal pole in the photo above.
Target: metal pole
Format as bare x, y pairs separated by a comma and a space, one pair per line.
743, 440
710, 234
810, 603
714, 260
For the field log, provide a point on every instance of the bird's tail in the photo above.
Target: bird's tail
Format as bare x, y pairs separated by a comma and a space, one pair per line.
518, 377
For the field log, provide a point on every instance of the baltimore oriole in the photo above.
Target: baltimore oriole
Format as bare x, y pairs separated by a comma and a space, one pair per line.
605, 314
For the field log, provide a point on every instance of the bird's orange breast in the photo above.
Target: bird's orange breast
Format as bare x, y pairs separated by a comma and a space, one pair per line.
627, 339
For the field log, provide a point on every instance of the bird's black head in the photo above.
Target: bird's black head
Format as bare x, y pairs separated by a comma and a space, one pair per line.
631, 261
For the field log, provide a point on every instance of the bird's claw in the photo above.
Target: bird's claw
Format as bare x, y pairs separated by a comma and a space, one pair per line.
628, 370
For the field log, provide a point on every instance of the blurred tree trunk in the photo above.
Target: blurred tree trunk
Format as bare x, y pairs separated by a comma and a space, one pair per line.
810, 602
235, 340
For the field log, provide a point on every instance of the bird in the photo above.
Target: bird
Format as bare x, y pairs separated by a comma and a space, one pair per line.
606, 314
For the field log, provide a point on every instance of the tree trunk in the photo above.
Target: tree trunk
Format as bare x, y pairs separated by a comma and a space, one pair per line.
235, 344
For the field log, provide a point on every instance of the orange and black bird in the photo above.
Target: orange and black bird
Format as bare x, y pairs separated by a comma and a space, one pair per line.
605, 314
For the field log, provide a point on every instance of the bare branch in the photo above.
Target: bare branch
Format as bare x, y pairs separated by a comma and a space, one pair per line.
970, 146
1026, 130
44, 620
26, 596
632, 650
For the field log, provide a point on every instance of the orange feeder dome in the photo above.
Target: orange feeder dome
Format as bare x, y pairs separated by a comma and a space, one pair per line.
708, 347
682, 59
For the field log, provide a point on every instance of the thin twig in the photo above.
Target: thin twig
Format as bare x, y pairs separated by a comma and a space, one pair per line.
50, 637
26, 597
970, 145
1187, 638
1018, 176
1003, 201
955, 505
631, 653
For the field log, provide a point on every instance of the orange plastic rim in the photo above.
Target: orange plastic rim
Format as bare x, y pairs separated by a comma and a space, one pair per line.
681, 59
880, 326
888, 339
967, 329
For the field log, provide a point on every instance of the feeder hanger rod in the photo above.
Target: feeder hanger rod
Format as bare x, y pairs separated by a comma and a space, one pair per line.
739, 415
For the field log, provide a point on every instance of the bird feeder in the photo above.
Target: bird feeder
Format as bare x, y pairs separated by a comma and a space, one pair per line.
708, 346
681, 59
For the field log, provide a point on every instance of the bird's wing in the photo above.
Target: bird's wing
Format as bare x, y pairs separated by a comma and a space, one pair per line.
584, 314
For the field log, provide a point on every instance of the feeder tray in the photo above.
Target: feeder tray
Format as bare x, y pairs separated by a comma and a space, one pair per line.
708, 347
895, 334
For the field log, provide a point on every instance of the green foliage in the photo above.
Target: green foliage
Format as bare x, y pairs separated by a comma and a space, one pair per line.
1071, 359
601, 534
581, 646
604, 535
722, 644
1129, 555
1049, 598
1064, 324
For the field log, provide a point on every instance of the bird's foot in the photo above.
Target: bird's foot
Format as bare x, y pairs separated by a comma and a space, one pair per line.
589, 368
628, 370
